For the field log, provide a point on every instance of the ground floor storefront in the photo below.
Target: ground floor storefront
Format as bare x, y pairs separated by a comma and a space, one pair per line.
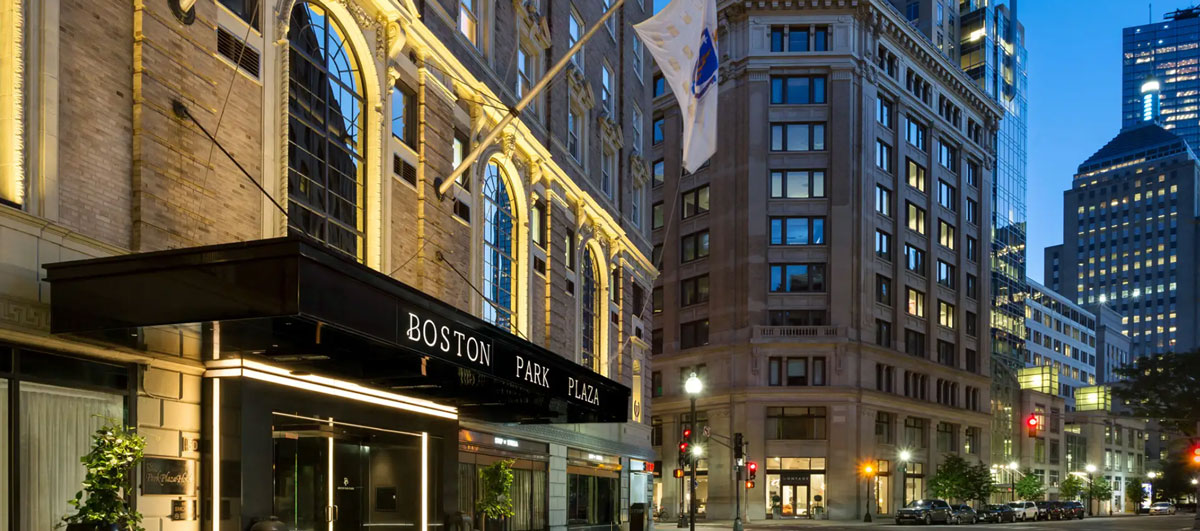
257, 402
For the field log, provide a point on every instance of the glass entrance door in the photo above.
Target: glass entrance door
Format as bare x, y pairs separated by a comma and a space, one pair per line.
795, 500
330, 477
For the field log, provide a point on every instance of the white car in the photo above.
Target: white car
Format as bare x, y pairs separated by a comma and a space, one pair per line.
1025, 510
1162, 508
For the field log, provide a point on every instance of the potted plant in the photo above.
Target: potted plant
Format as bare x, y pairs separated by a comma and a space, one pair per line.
776, 507
101, 505
495, 502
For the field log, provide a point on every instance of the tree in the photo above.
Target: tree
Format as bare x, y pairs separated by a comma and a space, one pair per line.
496, 480
1071, 487
1133, 491
979, 482
1030, 487
1101, 490
951, 481
1164, 387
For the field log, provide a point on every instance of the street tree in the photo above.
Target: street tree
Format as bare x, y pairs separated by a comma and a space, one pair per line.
979, 482
951, 481
1133, 491
1071, 487
1164, 387
1101, 490
1030, 487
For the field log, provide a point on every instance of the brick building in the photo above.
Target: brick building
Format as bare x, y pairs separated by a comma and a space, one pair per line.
826, 274
346, 113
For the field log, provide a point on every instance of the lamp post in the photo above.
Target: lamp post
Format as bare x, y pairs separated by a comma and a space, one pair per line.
869, 474
905, 456
1090, 470
693, 386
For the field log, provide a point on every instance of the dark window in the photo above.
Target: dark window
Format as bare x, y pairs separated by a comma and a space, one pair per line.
404, 114
883, 290
798, 318
915, 435
693, 246
658, 171
796, 371
656, 341
798, 136
639, 300
883, 111
972, 360
947, 196
797, 278
693, 290
798, 231
972, 324
973, 173
656, 423
538, 224
947, 353
948, 156
883, 200
972, 213
797, 89
657, 217
656, 384
695, 201
883, 245
247, 10
914, 343
657, 132
915, 133
883, 156
883, 424
693, 334
883, 333
972, 286
796, 423
657, 295
797, 184
945, 274
592, 500
972, 249
884, 377
914, 259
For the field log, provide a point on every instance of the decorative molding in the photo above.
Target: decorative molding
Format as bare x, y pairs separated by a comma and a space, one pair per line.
531, 24
283, 19
640, 169
610, 131
581, 90
18, 313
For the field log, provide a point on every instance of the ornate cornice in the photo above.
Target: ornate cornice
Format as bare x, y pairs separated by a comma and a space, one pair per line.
581, 90
532, 24
610, 131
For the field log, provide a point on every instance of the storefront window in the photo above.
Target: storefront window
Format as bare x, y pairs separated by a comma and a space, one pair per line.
528, 492
914, 481
795, 485
883, 487
56, 429
592, 500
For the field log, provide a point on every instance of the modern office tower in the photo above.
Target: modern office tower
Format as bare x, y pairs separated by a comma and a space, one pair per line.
1129, 241
1061, 335
991, 50
825, 274
220, 225
1169, 53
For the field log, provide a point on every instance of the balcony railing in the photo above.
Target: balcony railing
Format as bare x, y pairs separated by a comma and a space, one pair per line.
785, 333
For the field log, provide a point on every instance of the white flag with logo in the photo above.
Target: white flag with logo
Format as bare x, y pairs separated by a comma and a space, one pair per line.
683, 40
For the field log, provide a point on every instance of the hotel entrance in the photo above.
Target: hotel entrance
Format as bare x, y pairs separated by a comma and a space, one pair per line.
348, 478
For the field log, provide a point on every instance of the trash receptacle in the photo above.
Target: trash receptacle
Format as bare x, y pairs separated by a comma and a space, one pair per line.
637, 517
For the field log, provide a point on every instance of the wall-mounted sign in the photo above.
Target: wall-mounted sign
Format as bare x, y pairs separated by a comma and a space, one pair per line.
511, 443
795, 477
170, 477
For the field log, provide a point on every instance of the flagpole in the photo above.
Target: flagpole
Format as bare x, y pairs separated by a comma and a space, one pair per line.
513, 112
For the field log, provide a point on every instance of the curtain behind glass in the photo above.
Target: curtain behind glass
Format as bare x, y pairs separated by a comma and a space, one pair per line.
4, 451
521, 494
56, 430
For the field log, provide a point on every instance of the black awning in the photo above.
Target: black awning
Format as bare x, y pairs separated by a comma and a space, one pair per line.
293, 303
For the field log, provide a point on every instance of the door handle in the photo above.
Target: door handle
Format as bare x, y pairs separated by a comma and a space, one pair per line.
328, 513
336, 513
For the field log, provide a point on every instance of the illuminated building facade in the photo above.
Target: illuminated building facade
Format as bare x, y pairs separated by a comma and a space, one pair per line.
1061, 335
219, 224
1169, 51
1129, 240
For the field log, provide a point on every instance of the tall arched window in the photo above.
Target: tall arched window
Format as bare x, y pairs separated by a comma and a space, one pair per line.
590, 316
498, 248
325, 140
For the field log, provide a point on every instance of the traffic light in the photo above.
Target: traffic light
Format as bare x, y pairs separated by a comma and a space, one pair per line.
752, 469
749, 483
684, 452
1196, 454
1031, 425
678, 472
738, 450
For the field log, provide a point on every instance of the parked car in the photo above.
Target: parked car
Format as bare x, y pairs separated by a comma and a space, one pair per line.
1162, 508
963, 514
998, 513
1026, 510
1049, 510
1073, 509
925, 512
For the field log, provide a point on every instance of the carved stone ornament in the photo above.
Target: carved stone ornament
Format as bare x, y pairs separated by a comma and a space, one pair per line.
397, 37
581, 90
531, 24
364, 20
508, 142
610, 130
639, 168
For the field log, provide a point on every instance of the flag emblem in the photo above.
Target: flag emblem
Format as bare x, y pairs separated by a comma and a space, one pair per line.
704, 73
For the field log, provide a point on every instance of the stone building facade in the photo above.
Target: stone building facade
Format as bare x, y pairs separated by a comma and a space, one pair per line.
545, 236
826, 274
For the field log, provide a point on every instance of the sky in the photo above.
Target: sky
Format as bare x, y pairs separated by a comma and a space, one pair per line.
1074, 97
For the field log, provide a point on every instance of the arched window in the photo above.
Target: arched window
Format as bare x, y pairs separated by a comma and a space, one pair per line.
590, 316
498, 248
325, 139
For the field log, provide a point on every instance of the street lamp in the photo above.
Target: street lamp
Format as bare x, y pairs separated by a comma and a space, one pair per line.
905, 456
1012, 480
693, 386
869, 474
1090, 468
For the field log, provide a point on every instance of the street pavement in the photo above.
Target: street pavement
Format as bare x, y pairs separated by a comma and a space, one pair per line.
1179, 522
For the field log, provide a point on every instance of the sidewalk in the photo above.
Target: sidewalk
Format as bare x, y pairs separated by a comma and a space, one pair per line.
803, 522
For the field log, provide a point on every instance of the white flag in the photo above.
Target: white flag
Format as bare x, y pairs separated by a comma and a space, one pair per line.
683, 40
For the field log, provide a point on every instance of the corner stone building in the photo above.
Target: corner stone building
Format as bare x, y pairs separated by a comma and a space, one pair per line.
346, 113
826, 274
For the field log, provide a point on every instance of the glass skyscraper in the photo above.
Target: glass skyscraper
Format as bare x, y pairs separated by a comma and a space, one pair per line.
1169, 51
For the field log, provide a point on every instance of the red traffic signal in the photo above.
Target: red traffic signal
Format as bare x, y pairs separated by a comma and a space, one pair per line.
749, 484
752, 468
683, 447
1031, 425
1032, 421
678, 472
1196, 454
687, 434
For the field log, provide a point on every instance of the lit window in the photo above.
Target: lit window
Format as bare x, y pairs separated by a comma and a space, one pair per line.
590, 311
498, 248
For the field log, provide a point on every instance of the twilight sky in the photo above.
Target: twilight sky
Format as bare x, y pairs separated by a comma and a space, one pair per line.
1074, 97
